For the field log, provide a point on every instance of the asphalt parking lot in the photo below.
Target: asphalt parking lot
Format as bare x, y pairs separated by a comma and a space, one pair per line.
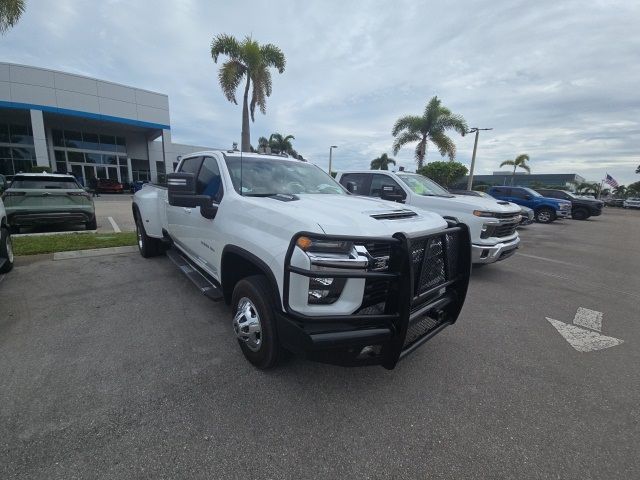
116, 367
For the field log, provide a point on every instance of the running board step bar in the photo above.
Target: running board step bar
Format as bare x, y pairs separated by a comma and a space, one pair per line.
206, 286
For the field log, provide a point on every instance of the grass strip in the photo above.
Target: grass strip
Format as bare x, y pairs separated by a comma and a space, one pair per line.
72, 241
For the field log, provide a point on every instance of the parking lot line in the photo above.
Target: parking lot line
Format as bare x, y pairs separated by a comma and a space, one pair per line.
547, 259
115, 226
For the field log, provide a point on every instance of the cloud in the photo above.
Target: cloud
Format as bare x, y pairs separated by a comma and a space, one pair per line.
556, 80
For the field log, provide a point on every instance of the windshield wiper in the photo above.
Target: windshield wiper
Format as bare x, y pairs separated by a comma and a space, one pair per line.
261, 194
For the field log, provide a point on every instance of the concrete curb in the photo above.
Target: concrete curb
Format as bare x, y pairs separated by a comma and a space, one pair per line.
94, 252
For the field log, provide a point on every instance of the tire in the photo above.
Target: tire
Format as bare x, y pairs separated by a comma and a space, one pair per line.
92, 225
545, 215
6, 250
148, 246
580, 214
251, 301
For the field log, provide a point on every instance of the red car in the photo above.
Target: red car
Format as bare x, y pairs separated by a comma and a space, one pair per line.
106, 185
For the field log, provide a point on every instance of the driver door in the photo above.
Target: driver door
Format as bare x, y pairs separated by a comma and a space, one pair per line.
204, 236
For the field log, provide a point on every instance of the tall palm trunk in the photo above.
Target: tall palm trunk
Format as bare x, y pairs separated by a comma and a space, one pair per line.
423, 150
246, 134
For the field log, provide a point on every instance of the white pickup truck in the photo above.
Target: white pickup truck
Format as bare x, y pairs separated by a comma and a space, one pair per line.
306, 267
492, 223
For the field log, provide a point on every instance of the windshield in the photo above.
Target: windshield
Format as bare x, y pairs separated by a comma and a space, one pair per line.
423, 186
48, 183
268, 176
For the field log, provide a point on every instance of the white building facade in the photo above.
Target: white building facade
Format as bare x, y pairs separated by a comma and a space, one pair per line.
88, 127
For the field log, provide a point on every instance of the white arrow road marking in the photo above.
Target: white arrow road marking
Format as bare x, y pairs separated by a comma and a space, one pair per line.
588, 318
581, 339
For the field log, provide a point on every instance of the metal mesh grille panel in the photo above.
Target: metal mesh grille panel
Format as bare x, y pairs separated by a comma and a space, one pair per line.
428, 264
419, 329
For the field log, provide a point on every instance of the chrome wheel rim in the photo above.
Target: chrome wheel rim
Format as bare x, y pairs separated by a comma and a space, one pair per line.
544, 216
139, 235
9, 246
246, 324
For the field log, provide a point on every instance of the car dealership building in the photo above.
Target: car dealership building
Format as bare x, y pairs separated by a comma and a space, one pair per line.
84, 126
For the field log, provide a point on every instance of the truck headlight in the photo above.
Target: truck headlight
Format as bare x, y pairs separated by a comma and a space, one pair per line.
324, 246
483, 213
325, 291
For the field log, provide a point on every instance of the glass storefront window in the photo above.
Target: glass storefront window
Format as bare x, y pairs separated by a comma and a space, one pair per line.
21, 134
4, 133
23, 153
101, 172
72, 139
58, 138
6, 166
23, 166
110, 159
76, 157
90, 141
61, 167
93, 157
60, 156
108, 143
121, 145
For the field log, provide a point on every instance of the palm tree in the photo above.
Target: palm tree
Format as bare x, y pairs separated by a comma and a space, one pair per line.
620, 191
10, 13
382, 162
587, 187
431, 126
282, 143
251, 60
520, 161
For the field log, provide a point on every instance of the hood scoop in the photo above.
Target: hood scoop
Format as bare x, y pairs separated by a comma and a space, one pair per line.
502, 202
394, 215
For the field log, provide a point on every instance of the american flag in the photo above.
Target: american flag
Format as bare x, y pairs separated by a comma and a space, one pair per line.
611, 181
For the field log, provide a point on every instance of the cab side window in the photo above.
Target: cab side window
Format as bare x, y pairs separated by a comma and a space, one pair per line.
209, 181
191, 165
517, 193
359, 180
378, 182
501, 191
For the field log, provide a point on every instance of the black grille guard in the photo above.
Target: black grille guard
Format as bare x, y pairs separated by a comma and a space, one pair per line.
410, 300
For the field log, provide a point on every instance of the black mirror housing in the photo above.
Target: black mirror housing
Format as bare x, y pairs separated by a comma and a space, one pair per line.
351, 187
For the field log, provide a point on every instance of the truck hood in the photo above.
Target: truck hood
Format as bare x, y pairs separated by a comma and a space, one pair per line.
466, 204
352, 215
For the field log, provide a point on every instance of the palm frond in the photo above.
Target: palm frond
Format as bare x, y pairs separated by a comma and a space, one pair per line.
525, 167
230, 76
411, 123
444, 144
452, 121
10, 13
508, 162
403, 139
224, 44
522, 158
273, 57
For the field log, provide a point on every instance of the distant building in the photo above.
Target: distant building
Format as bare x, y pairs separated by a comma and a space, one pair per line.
85, 126
524, 179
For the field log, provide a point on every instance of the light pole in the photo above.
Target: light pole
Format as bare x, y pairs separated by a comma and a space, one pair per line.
330, 156
473, 157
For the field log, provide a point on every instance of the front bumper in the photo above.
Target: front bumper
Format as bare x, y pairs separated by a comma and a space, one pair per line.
423, 292
563, 213
29, 218
490, 254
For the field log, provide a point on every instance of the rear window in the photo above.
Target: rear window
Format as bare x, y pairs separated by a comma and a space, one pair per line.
48, 183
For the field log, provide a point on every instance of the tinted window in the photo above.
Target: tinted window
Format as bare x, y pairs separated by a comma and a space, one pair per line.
360, 181
65, 183
501, 191
378, 181
191, 165
209, 181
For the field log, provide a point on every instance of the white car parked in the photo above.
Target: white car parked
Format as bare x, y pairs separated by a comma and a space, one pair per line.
633, 202
492, 223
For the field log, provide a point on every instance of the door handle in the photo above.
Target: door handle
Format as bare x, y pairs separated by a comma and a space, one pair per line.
186, 210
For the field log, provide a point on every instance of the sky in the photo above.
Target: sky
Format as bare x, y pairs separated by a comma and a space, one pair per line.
558, 80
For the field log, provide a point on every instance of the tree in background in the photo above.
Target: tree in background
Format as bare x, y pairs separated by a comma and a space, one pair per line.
638, 169
633, 189
279, 143
444, 173
251, 60
587, 187
430, 127
382, 162
519, 162
620, 191
10, 13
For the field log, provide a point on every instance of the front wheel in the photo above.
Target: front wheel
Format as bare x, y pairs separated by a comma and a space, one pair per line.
580, 214
6, 250
254, 322
92, 225
545, 215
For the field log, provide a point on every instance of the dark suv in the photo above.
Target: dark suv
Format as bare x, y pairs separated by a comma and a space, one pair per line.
581, 207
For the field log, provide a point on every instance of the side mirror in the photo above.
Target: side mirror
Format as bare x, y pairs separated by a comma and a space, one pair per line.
181, 189
351, 187
393, 193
